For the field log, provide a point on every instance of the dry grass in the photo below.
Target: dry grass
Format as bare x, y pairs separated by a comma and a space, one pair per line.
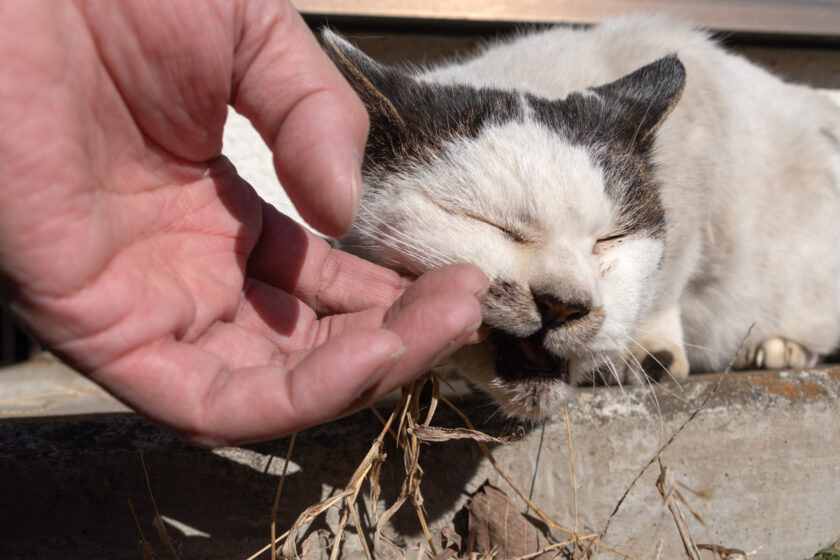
410, 424
148, 552
159, 525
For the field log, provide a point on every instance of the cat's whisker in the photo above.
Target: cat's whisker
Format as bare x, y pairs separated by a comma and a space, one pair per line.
496, 411
414, 249
599, 370
651, 391
396, 240
688, 344
439, 257
614, 370
684, 397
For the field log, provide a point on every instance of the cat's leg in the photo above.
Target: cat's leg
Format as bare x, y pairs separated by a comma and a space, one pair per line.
656, 351
776, 353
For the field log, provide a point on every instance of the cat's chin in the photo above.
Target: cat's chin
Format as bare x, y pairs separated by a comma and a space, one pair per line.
534, 398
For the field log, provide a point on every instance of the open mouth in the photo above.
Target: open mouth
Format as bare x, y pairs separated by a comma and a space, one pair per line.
526, 358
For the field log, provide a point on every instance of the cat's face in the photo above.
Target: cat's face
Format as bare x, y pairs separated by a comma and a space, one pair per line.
553, 199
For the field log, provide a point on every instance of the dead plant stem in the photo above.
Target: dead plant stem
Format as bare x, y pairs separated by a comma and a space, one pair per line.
356, 486
150, 554
671, 439
543, 550
277, 496
484, 449
572, 462
384, 422
165, 536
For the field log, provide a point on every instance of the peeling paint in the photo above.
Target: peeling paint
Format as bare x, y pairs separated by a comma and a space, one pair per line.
789, 388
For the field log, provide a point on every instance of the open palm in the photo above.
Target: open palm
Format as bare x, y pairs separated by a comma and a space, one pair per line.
133, 249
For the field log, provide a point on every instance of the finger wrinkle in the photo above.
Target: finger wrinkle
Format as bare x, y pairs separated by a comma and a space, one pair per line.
69, 309
323, 330
204, 420
251, 35
311, 93
275, 314
330, 272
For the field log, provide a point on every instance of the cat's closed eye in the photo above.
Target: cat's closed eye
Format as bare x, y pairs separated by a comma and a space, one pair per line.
607, 242
512, 233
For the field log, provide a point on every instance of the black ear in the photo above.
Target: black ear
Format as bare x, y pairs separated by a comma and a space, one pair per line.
371, 80
644, 98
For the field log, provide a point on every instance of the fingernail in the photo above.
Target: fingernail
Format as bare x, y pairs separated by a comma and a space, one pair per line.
355, 193
463, 338
355, 180
482, 293
382, 370
478, 336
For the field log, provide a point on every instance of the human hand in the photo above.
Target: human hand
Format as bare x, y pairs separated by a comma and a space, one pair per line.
137, 254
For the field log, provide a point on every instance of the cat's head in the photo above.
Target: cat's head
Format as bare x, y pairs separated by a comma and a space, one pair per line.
553, 198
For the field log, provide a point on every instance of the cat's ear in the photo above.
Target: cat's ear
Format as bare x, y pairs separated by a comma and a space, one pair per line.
644, 98
371, 80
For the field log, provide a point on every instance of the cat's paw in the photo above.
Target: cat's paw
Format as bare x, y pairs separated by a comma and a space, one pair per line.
656, 360
776, 353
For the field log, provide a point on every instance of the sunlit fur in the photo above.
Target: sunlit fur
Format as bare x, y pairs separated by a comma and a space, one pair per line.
745, 167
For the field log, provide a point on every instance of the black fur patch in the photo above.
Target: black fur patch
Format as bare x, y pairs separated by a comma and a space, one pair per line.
642, 99
410, 120
616, 122
657, 364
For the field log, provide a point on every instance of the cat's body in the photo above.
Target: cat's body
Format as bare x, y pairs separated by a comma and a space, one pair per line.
618, 213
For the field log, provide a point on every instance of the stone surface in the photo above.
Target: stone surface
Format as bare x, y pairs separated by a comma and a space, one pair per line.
46, 387
761, 462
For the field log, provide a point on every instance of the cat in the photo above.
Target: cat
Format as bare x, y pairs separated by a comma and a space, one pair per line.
637, 196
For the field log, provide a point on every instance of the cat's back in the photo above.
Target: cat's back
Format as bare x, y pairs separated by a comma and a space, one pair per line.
557, 61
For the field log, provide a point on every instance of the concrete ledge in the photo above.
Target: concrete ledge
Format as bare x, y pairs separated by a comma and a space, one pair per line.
45, 387
762, 457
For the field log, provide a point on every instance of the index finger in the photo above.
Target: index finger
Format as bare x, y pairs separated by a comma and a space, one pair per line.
289, 257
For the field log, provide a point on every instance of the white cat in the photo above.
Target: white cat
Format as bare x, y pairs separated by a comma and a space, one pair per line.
626, 188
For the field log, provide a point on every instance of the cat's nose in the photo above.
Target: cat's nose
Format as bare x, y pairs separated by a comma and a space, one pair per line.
556, 312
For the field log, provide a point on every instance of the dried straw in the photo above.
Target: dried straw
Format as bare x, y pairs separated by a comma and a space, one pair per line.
148, 553
277, 497
409, 424
158, 523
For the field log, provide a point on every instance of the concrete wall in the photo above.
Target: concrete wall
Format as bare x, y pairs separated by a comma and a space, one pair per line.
762, 458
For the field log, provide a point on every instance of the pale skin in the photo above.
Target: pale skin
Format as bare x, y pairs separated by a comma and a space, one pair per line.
132, 249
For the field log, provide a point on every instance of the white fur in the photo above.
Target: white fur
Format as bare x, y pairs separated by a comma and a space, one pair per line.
750, 183
751, 188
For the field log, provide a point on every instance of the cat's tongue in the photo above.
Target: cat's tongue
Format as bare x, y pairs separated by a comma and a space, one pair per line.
535, 354
519, 359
